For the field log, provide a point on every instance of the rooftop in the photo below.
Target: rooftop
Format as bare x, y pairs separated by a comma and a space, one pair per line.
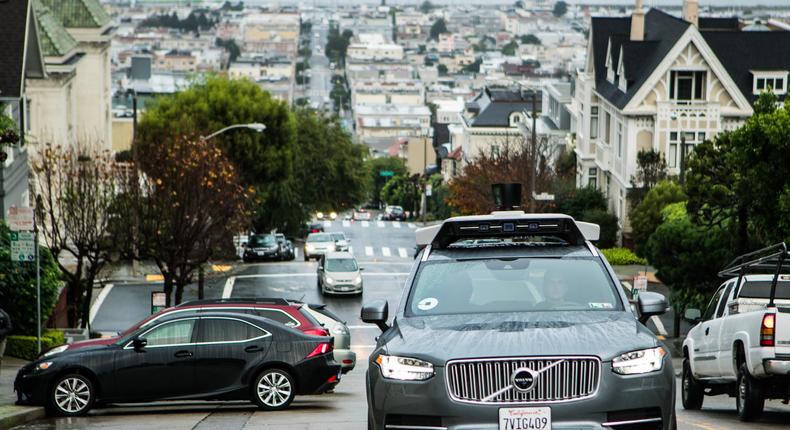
79, 13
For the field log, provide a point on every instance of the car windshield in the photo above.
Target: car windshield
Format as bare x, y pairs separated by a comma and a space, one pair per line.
338, 236
512, 285
341, 265
319, 237
262, 240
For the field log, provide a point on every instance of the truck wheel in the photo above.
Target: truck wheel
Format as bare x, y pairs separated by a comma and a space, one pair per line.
749, 398
692, 393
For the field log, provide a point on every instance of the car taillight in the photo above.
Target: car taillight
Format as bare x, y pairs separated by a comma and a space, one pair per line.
320, 349
317, 332
768, 330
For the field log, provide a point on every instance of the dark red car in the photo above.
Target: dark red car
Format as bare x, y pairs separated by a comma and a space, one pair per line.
280, 310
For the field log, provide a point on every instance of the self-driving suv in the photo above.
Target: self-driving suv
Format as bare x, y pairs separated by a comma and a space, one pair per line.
512, 321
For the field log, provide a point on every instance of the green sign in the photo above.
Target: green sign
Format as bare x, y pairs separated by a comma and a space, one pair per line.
386, 173
23, 246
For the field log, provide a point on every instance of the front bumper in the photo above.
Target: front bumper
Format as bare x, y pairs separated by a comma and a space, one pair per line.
265, 255
391, 402
31, 385
343, 288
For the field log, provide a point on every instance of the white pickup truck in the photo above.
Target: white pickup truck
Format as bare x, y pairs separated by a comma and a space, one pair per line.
740, 345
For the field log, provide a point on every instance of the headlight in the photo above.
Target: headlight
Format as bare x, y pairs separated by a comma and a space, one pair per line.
358, 280
44, 365
310, 247
642, 361
329, 280
319, 215
333, 215
404, 368
56, 350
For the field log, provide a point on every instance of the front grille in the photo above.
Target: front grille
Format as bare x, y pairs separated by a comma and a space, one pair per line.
474, 380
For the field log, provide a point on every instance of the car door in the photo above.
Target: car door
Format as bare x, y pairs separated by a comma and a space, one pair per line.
320, 270
705, 345
164, 368
226, 348
723, 339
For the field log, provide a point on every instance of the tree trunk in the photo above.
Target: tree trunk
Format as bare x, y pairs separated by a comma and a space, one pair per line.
201, 281
86, 308
73, 302
168, 287
179, 290
676, 324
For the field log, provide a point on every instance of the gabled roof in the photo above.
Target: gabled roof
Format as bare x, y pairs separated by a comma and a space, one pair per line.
662, 31
55, 40
12, 47
742, 51
494, 106
79, 13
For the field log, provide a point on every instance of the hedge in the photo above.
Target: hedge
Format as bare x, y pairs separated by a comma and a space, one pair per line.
24, 347
622, 256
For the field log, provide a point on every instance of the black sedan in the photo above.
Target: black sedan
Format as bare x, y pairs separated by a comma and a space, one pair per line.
262, 247
216, 356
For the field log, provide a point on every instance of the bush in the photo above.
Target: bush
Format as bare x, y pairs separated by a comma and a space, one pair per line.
608, 224
18, 287
646, 216
622, 257
576, 201
24, 347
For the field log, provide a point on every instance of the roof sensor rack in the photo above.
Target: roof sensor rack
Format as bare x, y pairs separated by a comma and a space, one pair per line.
244, 300
768, 260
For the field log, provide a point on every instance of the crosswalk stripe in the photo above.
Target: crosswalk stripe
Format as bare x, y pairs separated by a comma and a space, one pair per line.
380, 224
402, 252
346, 223
368, 251
411, 225
327, 224
365, 224
396, 224
385, 251
296, 253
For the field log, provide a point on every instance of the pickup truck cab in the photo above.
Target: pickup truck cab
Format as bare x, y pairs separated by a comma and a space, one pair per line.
741, 344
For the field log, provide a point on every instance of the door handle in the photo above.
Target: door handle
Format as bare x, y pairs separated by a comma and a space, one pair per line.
184, 353
707, 330
253, 348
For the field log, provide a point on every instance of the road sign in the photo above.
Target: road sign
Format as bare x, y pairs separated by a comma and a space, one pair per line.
23, 246
158, 301
640, 283
386, 173
20, 219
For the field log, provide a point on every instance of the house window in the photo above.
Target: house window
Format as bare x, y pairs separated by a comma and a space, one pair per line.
592, 177
776, 82
690, 138
608, 136
619, 139
593, 122
621, 207
687, 85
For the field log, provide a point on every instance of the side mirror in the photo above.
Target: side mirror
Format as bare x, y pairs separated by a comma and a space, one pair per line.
651, 304
139, 343
320, 269
692, 315
376, 312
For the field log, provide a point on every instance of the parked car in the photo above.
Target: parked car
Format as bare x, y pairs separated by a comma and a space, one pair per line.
339, 331
341, 241
530, 330
339, 273
394, 213
318, 244
741, 345
262, 247
227, 356
286, 247
313, 227
292, 315
362, 215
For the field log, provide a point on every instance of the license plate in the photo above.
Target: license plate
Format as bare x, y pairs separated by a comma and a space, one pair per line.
525, 419
261, 253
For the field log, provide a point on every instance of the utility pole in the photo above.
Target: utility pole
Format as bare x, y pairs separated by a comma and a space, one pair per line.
534, 150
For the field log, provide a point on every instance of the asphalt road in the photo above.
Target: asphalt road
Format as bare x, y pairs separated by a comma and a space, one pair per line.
346, 408
320, 84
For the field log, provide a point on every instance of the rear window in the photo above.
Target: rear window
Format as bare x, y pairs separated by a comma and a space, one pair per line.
512, 285
319, 237
227, 330
762, 290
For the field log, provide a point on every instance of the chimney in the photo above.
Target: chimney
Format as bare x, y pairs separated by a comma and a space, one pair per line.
691, 12
638, 23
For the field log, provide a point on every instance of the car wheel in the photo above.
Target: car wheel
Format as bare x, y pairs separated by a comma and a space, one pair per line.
71, 395
692, 392
274, 390
306, 258
749, 396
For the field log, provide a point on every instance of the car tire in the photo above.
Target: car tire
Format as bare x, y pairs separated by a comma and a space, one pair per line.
306, 258
749, 397
71, 395
692, 392
273, 390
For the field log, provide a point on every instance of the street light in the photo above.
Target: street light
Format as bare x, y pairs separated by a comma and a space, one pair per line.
255, 126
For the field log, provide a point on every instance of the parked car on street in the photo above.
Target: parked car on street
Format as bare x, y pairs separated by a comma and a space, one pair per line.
741, 345
293, 315
339, 331
262, 247
341, 241
286, 247
394, 213
339, 273
313, 227
214, 356
529, 329
318, 244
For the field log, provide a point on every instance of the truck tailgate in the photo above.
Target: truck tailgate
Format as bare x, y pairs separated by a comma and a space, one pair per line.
783, 330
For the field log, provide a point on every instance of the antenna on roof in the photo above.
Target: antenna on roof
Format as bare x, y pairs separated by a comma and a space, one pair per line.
506, 196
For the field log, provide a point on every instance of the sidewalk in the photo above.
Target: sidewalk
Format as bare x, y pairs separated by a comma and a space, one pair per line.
10, 414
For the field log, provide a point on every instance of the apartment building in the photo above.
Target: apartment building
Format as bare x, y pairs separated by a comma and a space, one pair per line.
373, 47
405, 92
381, 125
653, 81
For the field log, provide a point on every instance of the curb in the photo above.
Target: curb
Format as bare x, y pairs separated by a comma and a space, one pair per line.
19, 415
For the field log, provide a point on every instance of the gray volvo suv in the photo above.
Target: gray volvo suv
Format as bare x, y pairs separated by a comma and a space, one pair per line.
512, 321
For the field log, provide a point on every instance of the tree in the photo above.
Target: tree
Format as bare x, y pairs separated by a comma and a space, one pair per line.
187, 204
473, 67
560, 9
438, 27
442, 69
18, 286
402, 190
426, 7
374, 168
519, 4
337, 44
510, 48
437, 202
576, 201
230, 45
607, 222
646, 216
530, 39
263, 160
77, 190
651, 168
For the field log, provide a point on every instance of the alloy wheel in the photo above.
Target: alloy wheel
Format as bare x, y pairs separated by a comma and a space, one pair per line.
274, 389
72, 395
